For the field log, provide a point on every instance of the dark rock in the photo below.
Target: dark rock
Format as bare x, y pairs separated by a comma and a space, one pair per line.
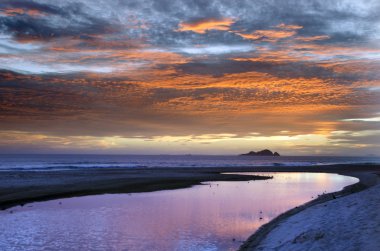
265, 152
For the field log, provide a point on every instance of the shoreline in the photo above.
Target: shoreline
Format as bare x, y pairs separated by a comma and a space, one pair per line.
21, 187
367, 179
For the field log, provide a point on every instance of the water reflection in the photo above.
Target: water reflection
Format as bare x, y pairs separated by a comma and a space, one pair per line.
216, 216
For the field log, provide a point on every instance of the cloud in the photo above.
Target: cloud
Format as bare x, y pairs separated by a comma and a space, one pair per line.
9, 46
374, 119
289, 26
31, 8
204, 25
20, 11
282, 31
281, 68
198, 70
217, 49
68, 21
36, 68
168, 105
313, 38
268, 34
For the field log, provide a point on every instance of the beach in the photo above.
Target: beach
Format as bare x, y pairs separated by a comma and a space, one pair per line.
348, 223
21, 187
343, 220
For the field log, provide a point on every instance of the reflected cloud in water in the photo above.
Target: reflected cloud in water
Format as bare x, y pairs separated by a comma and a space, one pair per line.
213, 216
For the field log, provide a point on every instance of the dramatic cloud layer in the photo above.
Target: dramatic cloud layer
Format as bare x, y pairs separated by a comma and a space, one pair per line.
204, 25
215, 76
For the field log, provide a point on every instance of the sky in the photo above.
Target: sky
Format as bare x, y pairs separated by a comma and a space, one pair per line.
190, 76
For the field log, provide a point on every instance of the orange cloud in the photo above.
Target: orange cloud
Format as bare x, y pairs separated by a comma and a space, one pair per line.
313, 38
20, 11
136, 105
268, 34
204, 25
297, 51
282, 31
289, 26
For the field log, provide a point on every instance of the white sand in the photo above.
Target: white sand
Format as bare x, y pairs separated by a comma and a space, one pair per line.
348, 223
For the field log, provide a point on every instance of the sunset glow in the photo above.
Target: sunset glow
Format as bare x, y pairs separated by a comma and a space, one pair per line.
200, 77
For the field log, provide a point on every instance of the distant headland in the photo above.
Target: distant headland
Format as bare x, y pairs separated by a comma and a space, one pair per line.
265, 152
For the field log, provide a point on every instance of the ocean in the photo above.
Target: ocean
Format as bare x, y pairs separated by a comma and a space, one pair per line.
64, 162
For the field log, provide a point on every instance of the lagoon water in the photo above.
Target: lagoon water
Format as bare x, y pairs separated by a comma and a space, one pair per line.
213, 216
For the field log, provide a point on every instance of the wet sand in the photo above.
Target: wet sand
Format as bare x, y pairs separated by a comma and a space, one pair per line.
20, 187
297, 228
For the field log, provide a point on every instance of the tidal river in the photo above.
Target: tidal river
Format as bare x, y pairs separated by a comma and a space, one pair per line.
213, 216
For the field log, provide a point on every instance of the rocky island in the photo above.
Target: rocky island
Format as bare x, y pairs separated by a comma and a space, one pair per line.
265, 152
